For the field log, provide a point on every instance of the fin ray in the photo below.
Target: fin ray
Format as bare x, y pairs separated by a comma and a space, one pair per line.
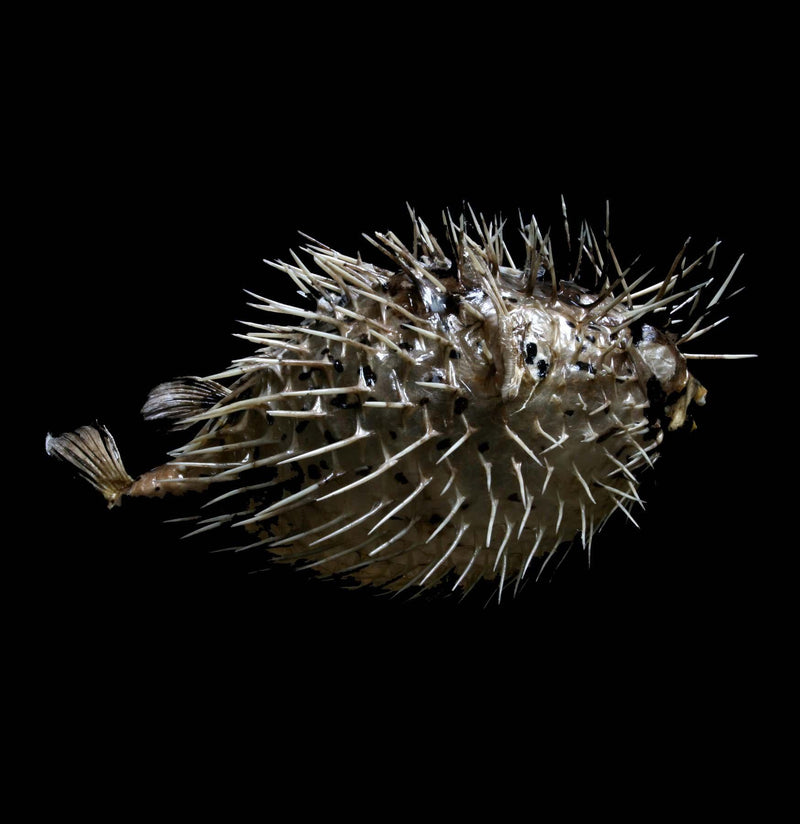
93, 451
176, 401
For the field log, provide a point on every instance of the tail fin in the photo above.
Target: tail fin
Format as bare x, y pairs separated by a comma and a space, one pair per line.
93, 451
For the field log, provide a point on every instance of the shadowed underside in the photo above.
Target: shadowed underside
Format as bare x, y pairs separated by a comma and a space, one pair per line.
435, 418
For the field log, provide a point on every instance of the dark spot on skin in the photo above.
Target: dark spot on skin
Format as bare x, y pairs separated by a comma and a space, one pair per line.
591, 338
393, 434
606, 435
424, 401
465, 506
460, 405
341, 402
406, 345
301, 426
570, 323
483, 446
585, 367
369, 375
325, 351
455, 354
362, 471
324, 464
531, 350
656, 412
328, 436
313, 472
569, 411
294, 483
435, 518
451, 303
364, 339
657, 398
304, 376
401, 478
445, 443
542, 368
337, 365
514, 496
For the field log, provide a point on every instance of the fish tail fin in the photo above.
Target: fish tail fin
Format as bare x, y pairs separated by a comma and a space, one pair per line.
93, 451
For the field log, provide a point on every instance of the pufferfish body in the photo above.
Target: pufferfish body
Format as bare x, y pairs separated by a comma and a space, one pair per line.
440, 420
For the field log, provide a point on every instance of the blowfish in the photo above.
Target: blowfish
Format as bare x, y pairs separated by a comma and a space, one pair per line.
438, 421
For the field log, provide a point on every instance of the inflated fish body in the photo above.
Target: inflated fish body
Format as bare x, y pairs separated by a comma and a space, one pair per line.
443, 418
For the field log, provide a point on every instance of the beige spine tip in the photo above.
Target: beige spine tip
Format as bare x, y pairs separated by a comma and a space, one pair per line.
93, 451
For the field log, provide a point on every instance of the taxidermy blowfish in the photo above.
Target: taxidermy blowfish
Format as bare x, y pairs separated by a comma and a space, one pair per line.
436, 421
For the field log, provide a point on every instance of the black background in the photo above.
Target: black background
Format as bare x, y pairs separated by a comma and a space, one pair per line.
162, 168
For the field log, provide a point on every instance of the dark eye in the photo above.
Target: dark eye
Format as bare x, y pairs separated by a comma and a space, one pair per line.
531, 351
